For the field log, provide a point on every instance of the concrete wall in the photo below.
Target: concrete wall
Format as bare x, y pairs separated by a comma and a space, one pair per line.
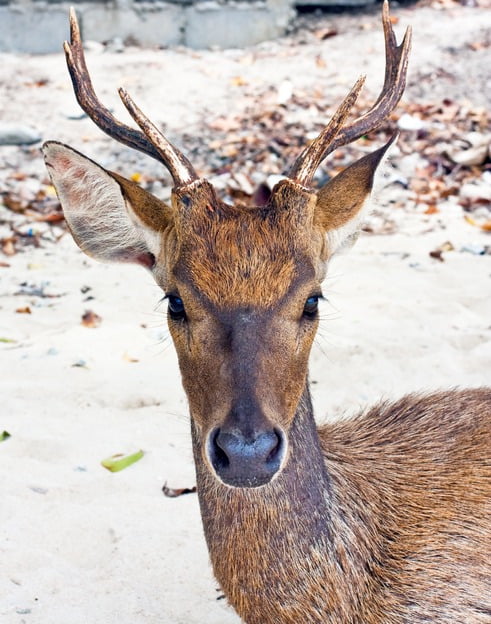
39, 27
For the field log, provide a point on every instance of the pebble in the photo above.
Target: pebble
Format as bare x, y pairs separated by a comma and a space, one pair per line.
478, 189
474, 248
15, 134
409, 122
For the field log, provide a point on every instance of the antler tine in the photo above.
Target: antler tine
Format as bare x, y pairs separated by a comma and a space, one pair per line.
305, 166
396, 60
179, 166
102, 117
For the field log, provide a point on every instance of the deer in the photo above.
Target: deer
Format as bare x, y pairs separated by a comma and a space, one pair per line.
382, 518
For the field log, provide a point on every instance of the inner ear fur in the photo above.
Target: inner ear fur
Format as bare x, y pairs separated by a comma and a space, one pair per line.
341, 200
111, 218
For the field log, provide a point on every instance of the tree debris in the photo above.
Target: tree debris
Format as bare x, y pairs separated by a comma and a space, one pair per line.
175, 492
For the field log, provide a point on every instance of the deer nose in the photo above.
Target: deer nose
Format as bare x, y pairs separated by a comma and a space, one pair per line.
241, 460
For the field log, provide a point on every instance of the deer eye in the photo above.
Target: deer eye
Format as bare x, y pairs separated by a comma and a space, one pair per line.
176, 308
311, 307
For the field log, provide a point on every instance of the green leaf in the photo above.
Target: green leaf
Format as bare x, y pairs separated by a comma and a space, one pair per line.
5, 435
7, 340
118, 462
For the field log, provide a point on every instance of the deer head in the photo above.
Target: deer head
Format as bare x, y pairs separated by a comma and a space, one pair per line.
242, 283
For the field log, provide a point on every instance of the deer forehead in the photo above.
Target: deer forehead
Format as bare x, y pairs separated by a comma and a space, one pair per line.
236, 256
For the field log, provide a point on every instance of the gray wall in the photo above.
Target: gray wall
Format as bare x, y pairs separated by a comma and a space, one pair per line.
39, 26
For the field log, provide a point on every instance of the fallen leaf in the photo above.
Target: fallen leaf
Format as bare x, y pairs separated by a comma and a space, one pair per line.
5, 435
91, 319
8, 247
51, 217
7, 340
238, 81
432, 209
24, 310
175, 492
118, 462
128, 358
325, 33
438, 252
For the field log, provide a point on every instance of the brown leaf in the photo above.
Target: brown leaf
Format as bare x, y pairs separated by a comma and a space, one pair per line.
325, 33
8, 247
91, 319
238, 81
14, 203
432, 209
24, 310
438, 252
175, 492
51, 217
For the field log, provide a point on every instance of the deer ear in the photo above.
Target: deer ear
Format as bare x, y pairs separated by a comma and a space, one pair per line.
110, 218
341, 202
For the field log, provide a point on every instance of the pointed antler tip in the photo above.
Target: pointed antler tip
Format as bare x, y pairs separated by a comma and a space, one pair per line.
68, 51
128, 102
74, 27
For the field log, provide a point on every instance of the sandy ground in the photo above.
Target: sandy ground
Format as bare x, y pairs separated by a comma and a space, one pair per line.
79, 544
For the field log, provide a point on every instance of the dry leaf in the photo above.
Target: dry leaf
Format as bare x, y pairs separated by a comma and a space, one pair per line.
432, 209
325, 33
91, 319
128, 358
175, 492
24, 310
8, 247
238, 81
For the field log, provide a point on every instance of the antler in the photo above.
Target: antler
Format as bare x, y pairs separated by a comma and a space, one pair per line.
335, 135
151, 141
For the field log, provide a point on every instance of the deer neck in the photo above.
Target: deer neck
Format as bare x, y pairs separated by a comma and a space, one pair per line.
273, 548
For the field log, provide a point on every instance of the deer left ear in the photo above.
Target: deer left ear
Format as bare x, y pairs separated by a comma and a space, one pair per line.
110, 218
341, 202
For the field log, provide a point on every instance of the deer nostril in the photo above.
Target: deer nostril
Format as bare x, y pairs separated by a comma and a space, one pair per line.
220, 457
246, 461
277, 446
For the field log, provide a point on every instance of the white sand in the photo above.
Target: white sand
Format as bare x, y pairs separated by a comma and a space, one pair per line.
80, 545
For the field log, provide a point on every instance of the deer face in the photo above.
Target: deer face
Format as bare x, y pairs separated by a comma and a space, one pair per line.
243, 290
242, 283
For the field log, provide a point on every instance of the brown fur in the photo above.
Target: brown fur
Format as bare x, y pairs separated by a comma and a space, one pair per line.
382, 519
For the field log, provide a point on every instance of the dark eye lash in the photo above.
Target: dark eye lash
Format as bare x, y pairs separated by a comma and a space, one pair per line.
175, 307
311, 306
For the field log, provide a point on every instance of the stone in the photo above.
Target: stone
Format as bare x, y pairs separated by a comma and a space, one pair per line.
16, 134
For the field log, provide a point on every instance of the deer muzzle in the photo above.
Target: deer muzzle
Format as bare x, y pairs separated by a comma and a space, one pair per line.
246, 460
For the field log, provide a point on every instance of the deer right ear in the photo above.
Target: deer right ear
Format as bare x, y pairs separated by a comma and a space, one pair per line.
110, 218
340, 203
